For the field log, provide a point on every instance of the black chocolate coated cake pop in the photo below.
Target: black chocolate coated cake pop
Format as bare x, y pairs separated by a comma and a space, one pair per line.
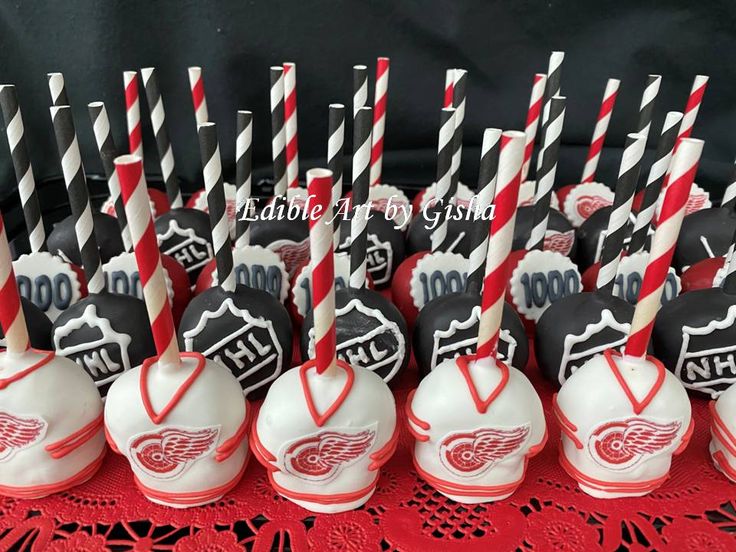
704, 234
590, 237
560, 235
184, 234
63, 241
39, 326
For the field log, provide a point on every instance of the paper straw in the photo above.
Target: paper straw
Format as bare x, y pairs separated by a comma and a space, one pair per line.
618, 220
444, 171
76, 186
134, 190
729, 196
600, 130
532, 121
319, 186
199, 101
684, 166
335, 159
449, 82
133, 113
290, 125
657, 172
553, 86
243, 176
213, 184
360, 87
646, 108
548, 155
459, 95
57, 89
499, 242
361, 184
23, 168
12, 320
692, 107
487, 177
278, 133
108, 153
380, 101
163, 144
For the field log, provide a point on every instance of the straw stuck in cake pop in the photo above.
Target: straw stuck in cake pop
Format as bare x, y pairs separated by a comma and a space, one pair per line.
335, 160
243, 176
360, 87
646, 107
533, 116
57, 89
133, 113
199, 101
290, 125
599, 132
380, 101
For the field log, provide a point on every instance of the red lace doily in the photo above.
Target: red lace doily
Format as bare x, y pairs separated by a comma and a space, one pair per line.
694, 510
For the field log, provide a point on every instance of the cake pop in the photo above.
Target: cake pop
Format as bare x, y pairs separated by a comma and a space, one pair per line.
476, 420
245, 329
179, 419
723, 444
623, 415
447, 326
601, 320
105, 332
51, 436
325, 428
49, 281
370, 331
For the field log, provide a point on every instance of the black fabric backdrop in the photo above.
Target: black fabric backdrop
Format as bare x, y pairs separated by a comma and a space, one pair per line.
501, 44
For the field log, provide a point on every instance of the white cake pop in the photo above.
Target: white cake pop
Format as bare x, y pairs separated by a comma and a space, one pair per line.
722, 430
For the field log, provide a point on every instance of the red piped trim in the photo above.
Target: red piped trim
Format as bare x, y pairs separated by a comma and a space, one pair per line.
566, 426
686, 438
452, 488
194, 497
413, 419
72, 442
384, 454
481, 405
111, 442
40, 491
228, 447
262, 454
338, 498
638, 406
721, 431
49, 356
159, 417
322, 419
722, 463
631, 487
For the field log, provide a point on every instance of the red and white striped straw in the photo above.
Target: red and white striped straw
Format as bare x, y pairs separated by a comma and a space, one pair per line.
599, 132
12, 320
196, 85
290, 124
133, 113
532, 121
319, 186
449, 88
691, 108
380, 101
684, 166
510, 161
140, 222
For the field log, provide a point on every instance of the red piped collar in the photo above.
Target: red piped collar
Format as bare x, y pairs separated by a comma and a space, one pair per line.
481, 405
322, 419
49, 356
159, 417
637, 405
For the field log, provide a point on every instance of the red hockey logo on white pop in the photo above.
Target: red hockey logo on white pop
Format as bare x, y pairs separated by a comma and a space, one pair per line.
168, 452
19, 432
588, 204
472, 453
621, 444
559, 241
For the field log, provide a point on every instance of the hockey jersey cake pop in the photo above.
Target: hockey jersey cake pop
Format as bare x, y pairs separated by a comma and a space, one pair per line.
104, 333
476, 420
245, 329
370, 330
326, 427
623, 416
51, 436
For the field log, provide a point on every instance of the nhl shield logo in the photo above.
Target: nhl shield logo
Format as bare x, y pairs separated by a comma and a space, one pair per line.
379, 257
473, 453
18, 432
191, 250
250, 344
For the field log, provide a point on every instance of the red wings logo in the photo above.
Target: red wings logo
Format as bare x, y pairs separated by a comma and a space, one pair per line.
472, 453
19, 432
695, 202
293, 254
167, 453
586, 205
323, 456
559, 241
621, 444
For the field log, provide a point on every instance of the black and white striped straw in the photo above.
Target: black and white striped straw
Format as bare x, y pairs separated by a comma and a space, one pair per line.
553, 87
618, 220
360, 88
362, 131
646, 108
157, 115
548, 156
23, 168
459, 95
729, 196
213, 184
487, 177
76, 186
335, 160
656, 177
57, 89
278, 132
445, 148
243, 176
108, 152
